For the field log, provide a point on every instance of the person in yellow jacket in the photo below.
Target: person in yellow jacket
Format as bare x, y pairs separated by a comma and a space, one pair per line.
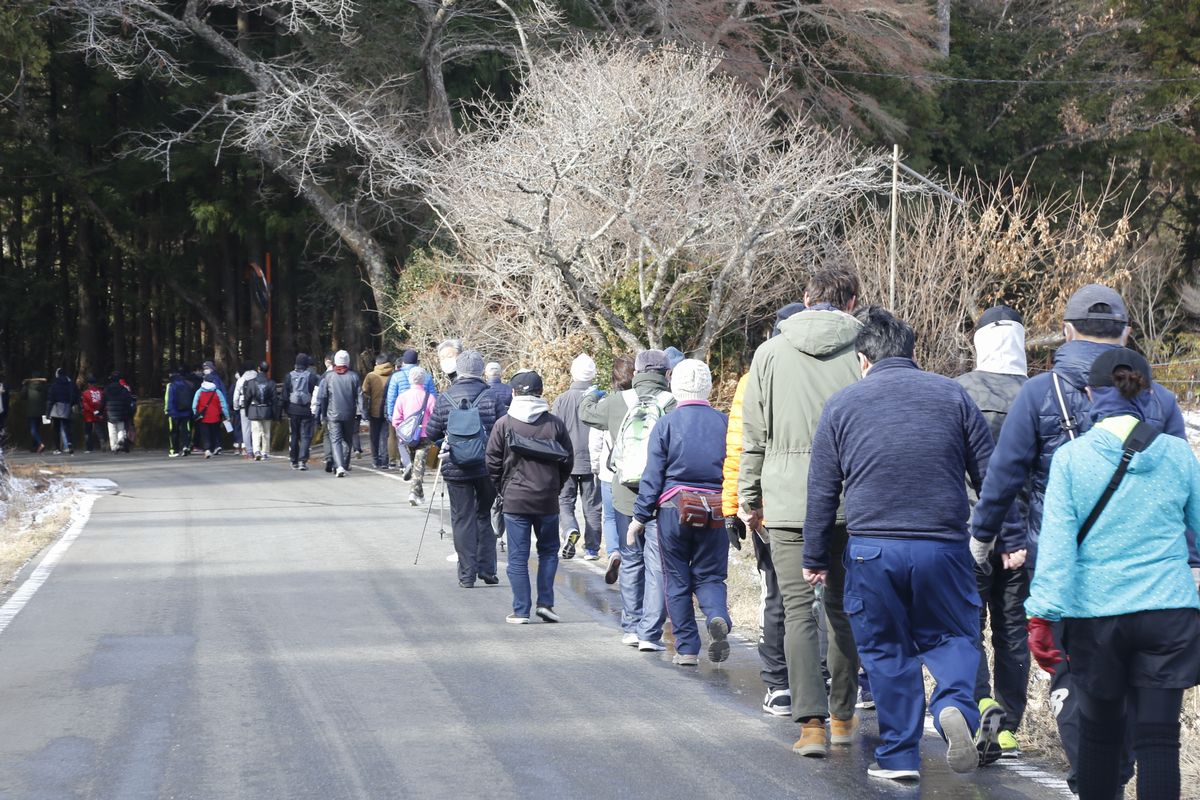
778, 700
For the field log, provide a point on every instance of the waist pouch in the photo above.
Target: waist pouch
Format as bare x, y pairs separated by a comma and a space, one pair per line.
548, 450
699, 510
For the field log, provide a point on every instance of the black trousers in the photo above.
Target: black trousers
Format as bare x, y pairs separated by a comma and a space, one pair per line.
1003, 592
181, 433
210, 435
470, 517
300, 431
379, 440
770, 642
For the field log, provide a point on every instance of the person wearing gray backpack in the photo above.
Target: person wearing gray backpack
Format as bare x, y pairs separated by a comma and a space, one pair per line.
301, 384
461, 423
628, 417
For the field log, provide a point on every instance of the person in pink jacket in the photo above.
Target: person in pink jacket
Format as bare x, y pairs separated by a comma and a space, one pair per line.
409, 418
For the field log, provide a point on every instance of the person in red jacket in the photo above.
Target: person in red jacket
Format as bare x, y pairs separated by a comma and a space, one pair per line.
210, 408
91, 401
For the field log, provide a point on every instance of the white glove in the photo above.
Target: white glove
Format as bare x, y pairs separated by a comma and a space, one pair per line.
981, 550
635, 530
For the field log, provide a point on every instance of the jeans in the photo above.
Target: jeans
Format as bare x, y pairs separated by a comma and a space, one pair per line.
262, 436
520, 528
643, 600
300, 430
62, 431
337, 444
379, 440
802, 639
770, 619
608, 519
35, 432
912, 602
181, 434
1003, 592
695, 562
584, 487
470, 517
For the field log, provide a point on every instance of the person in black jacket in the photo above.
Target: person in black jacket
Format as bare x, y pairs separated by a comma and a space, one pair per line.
60, 398
259, 401
529, 483
119, 405
470, 489
299, 390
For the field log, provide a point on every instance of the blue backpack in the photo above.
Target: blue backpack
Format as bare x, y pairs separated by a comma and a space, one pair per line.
465, 435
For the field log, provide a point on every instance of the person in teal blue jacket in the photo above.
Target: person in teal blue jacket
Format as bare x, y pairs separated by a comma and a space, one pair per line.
1128, 601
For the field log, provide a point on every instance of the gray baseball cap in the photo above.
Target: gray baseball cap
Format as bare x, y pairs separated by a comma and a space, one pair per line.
1081, 303
651, 361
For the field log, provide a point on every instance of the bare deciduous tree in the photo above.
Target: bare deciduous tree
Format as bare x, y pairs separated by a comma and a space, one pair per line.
620, 173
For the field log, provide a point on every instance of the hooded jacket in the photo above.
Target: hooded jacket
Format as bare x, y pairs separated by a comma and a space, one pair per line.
463, 389
119, 402
791, 378
209, 404
62, 390
177, 399
91, 402
339, 396
239, 388
374, 389
607, 412
414, 400
1034, 430
1135, 558
33, 396
398, 384
528, 486
259, 396
1000, 371
566, 408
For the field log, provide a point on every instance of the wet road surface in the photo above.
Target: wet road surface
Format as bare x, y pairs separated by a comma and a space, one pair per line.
226, 629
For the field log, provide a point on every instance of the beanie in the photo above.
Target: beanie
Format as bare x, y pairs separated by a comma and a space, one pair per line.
790, 310
341, 359
674, 356
691, 380
409, 357
583, 368
469, 364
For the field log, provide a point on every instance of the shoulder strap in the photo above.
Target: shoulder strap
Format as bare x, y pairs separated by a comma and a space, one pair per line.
1138, 440
630, 396
1068, 421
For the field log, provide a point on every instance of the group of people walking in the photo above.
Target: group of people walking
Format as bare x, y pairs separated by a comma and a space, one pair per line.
897, 518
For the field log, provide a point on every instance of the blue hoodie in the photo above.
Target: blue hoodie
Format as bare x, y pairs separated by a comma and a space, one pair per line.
1135, 558
1034, 430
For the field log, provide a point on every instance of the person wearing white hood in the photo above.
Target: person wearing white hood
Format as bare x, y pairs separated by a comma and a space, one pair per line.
1000, 372
529, 458
583, 483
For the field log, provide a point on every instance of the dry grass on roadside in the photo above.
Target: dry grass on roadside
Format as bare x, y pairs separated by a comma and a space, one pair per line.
34, 520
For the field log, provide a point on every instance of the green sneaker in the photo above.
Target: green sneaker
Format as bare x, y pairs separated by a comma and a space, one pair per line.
991, 717
1008, 745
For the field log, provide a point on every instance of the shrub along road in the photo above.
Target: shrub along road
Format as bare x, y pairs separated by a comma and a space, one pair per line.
236, 630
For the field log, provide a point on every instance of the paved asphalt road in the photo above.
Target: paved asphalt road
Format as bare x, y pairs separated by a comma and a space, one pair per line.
226, 629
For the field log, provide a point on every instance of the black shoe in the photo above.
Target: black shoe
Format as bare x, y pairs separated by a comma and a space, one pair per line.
614, 569
303, 467
329, 466
718, 648
547, 614
568, 550
466, 584
408, 472
490, 580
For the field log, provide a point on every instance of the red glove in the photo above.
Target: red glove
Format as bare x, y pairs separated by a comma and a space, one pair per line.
1041, 644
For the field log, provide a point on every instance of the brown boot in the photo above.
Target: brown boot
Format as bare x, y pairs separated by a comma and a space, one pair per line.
841, 731
812, 739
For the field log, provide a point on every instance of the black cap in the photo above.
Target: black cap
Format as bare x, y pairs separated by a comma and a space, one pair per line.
409, 357
998, 314
526, 382
1110, 360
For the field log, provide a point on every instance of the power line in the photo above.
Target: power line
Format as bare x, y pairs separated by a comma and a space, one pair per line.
935, 78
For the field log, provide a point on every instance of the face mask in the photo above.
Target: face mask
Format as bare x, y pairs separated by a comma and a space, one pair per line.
449, 365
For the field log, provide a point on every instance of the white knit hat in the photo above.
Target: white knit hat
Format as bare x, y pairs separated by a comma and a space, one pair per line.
583, 368
341, 359
691, 380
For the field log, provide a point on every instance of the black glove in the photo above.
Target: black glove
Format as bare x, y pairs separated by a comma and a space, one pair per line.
736, 530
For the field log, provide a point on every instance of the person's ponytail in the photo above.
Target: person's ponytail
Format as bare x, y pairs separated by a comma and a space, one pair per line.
1130, 383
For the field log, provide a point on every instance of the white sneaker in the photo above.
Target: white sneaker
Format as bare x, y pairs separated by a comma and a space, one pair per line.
630, 639
174, 455
513, 619
876, 771
208, 454
341, 473
961, 754
778, 702
650, 647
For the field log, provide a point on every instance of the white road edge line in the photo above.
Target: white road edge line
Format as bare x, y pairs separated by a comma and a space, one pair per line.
41, 573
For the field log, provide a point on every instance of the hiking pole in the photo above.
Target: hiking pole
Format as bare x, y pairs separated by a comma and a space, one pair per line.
437, 476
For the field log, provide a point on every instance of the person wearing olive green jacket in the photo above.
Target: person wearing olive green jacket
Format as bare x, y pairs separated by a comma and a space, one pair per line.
791, 377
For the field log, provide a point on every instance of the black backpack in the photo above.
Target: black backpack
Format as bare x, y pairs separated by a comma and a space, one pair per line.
182, 394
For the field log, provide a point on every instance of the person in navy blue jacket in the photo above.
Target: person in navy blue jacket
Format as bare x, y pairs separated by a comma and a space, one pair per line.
471, 491
1052, 409
685, 456
899, 443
